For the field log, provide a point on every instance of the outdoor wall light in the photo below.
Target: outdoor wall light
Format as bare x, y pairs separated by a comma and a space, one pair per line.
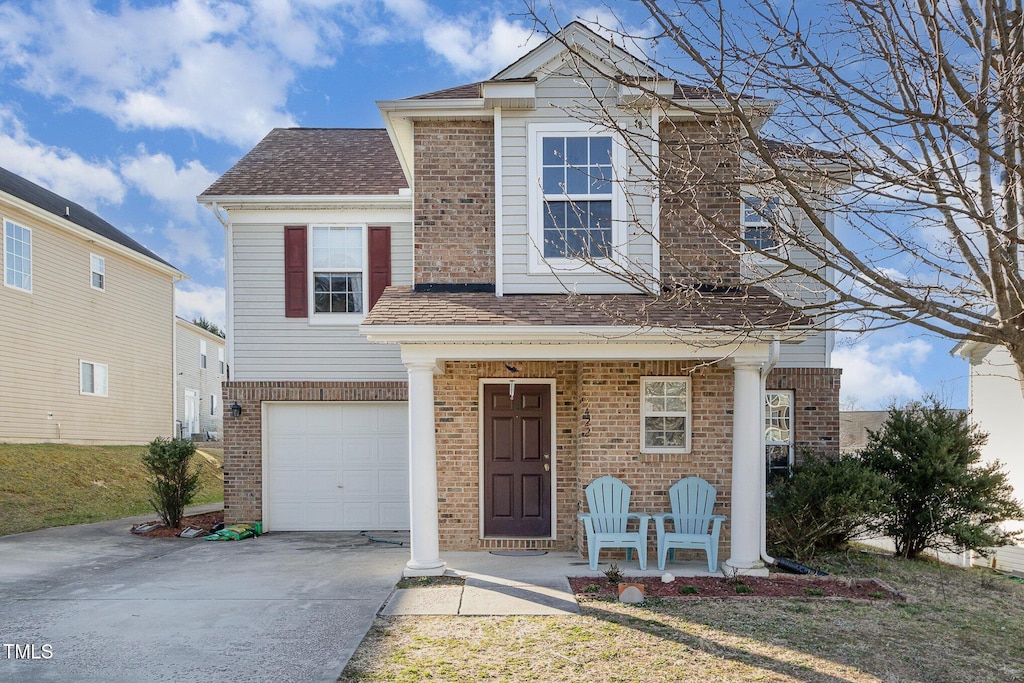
236, 409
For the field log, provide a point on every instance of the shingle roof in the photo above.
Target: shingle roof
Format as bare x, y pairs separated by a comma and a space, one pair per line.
315, 161
472, 91
739, 308
65, 209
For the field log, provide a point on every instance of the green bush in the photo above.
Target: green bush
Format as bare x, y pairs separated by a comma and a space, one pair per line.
824, 505
942, 495
174, 483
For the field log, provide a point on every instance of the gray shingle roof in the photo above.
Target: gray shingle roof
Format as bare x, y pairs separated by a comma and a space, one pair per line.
739, 308
315, 161
65, 209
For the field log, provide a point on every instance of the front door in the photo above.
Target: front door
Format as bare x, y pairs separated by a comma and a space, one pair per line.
191, 413
517, 460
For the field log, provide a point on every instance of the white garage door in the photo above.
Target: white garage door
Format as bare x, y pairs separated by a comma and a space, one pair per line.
337, 466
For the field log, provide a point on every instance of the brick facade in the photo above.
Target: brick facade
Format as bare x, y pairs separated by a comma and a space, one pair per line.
243, 435
454, 202
700, 165
816, 407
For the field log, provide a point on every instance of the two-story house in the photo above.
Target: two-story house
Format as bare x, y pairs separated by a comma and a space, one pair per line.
87, 326
449, 325
201, 368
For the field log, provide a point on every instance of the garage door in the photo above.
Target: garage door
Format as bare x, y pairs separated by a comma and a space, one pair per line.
337, 466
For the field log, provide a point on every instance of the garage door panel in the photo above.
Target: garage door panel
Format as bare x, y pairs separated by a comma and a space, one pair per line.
314, 448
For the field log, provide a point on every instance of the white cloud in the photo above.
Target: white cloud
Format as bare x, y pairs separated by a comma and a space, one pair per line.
480, 48
158, 176
874, 377
194, 300
190, 245
60, 170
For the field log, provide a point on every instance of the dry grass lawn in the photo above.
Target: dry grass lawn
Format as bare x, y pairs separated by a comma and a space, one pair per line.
960, 626
43, 485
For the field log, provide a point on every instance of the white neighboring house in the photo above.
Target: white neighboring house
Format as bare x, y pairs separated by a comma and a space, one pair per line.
996, 407
201, 367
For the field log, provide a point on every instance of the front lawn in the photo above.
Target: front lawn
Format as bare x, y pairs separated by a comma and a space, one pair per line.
44, 485
959, 626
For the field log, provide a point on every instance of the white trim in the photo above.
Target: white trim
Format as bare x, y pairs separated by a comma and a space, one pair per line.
204, 355
31, 257
552, 403
106, 378
656, 197
688, 416
508, 90
499, 208
792, 421
337, 319
310, 201
102, 272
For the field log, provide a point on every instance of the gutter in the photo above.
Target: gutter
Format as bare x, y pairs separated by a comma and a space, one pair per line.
774, 351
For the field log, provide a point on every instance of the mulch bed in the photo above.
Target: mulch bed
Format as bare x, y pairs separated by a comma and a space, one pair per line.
775, 586
206, 522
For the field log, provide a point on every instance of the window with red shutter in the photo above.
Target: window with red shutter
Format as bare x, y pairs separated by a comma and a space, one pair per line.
296, 297
379, 245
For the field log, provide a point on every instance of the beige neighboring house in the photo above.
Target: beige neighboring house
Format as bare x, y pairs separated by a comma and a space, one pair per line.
201, 369
88, 325
996, 406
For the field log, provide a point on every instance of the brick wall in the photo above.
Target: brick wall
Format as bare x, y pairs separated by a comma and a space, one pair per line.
454, 202
816, 407
243, 435
700, 208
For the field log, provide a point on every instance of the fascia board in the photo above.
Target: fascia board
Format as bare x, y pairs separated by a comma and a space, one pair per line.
433, 108
91, 237
435, 353
229, 202
509, 90
560, 334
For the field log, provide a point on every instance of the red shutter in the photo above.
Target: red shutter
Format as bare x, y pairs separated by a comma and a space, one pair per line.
380, 261
296, 299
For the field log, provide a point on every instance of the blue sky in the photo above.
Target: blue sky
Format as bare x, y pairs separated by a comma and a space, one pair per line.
134, 108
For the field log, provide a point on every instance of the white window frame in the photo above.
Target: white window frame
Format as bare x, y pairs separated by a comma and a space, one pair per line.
538, 263
97, 266
220, 360
202, 354
761, 222
769, 424
9, 225
644, 414
325, 318
100, 380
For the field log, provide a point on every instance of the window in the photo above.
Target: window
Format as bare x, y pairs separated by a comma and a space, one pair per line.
665, 415
202, 353
97, 265
93, 378
213, 404
17, 256
576, 184
778, 432
760, 223
220, 360
338, 270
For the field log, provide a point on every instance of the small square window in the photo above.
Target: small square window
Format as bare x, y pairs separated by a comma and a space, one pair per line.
761, 223
98, 268
665, 415
93, 378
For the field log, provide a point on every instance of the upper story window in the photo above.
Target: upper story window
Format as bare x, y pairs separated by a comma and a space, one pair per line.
17, 256
98, 269
778, 432
93, 378
576, 179
220, 360
760, 223
338, 266
202, 353
665, 415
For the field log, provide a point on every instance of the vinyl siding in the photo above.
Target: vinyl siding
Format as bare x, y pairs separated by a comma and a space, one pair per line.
45, 334
204, 381
559, 94
270, 347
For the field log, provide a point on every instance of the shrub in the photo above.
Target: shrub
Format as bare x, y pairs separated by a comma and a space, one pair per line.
824, 505
942, 495
174, 483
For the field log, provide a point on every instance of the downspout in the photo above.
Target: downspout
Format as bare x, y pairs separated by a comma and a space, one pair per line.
773, 358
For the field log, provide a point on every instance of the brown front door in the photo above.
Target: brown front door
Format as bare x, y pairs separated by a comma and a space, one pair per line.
517, 460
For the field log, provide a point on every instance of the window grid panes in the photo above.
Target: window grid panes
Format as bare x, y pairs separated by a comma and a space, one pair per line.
778, 432
98, 268
17, 256
666, 414
220, 361
338, 270
202, 354
576, 180
760, 219
93, 379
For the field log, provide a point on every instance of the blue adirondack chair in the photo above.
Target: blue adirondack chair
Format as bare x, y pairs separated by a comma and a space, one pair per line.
606, 523
693, 524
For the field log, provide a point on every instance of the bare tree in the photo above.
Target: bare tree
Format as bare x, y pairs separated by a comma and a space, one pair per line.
893, 130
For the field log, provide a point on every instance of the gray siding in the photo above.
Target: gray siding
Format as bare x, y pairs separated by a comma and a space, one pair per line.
204, 381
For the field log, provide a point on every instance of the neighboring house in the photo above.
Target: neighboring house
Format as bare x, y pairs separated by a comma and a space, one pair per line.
474, 397
201, 365
88, 325
854, 426
996, 406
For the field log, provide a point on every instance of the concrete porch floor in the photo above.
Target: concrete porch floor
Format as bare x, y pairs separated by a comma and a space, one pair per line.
517, 583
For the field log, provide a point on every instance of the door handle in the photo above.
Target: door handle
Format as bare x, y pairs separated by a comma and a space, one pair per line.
547, 467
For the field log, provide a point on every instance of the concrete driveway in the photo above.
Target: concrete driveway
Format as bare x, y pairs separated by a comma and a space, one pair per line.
114, 607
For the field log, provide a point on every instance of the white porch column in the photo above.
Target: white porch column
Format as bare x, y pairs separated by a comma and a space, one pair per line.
747, 463
425, 557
